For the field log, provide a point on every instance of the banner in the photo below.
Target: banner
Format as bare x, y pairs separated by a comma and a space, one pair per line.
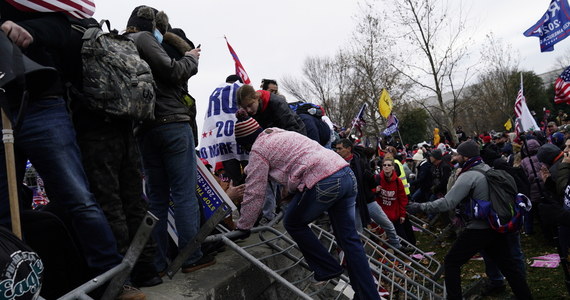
553, 27
240, 71
217, 140
385, 104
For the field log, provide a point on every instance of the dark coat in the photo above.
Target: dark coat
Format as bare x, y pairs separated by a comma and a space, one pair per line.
316, 129
279, 114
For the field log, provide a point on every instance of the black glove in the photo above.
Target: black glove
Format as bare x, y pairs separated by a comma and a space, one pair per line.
414, 207
239, 234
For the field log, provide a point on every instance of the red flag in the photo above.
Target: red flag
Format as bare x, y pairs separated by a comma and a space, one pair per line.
240, 71
562, 88
79, 9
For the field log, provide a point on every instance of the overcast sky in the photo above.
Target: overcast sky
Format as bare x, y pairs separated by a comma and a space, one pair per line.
273, 38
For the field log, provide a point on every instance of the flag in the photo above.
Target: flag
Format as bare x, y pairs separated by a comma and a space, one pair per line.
553, 26
508, 125
562, 88
391, 125
80, 9
526, 121
358, 121
240, 71
385, 104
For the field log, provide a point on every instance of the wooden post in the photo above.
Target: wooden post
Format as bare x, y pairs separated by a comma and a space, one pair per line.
8, 139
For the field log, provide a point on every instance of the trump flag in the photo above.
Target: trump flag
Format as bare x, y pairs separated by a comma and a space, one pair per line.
553, 27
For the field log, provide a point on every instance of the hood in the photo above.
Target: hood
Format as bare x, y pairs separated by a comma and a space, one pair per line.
533, 146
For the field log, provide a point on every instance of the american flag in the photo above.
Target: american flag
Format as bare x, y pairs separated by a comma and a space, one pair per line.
524, 117
562, 88
518, 103
358, 121
80, 9
240, 71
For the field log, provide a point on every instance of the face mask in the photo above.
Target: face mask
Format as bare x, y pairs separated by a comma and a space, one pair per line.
158, 36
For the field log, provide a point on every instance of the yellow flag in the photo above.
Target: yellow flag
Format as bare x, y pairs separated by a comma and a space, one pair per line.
385, 104
508, 125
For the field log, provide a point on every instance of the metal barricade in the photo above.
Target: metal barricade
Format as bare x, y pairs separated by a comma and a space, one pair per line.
398, 275
117, 275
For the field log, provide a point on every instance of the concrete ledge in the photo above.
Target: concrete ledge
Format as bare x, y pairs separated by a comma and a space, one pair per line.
232, 277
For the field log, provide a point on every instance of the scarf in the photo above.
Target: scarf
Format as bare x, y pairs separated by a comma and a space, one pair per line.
265, 95
473, 161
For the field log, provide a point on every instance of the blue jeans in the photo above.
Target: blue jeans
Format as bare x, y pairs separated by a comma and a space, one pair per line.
495, 276
335, 194
169, 164
47, 139
381, 219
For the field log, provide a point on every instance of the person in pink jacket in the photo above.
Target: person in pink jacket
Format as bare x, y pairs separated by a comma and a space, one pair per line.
321, 181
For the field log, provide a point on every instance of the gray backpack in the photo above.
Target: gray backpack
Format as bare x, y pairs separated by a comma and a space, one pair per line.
116, 81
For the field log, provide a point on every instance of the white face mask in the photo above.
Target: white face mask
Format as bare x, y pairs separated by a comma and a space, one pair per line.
158, 35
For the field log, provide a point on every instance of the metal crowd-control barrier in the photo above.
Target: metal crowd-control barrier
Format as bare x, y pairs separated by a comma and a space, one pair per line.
421, 225
398, 275
117, 275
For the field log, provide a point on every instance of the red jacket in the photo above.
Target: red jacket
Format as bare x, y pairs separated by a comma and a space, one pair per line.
391, 196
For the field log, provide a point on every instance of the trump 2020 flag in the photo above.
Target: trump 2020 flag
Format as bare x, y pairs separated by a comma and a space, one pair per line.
391, 125
562, 88
553, 27
240, 71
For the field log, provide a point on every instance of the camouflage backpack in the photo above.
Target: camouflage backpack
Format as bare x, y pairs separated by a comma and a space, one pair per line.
116, 80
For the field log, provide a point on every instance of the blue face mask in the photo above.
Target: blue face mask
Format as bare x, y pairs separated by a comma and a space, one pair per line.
158, 36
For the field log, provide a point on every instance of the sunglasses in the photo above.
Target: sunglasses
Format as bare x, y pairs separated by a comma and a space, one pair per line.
387, 165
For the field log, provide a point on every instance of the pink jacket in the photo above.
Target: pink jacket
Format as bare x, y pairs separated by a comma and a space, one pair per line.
286, 157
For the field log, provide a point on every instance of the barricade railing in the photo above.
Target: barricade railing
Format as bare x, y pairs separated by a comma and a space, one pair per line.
117, 275
398, 275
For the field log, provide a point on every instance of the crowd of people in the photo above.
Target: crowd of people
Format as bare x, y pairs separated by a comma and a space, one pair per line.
93, 167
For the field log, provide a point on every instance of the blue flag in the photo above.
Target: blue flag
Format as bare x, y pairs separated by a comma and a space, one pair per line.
553, 27
391, 125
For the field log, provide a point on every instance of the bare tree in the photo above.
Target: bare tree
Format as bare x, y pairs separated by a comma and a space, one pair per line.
356, 75
441, 40
494, 94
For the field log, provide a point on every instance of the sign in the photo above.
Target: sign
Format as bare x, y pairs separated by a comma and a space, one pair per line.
209, 193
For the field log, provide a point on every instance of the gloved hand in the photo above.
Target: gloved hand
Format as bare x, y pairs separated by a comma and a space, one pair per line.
239, 234
414, 207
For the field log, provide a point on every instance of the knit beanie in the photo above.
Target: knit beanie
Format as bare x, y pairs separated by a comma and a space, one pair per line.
547, 153
468, 149
486, 139
246, 131
418, 156
142, 18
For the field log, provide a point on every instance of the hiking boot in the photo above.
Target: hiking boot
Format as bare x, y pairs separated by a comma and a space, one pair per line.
131, 293
205, 261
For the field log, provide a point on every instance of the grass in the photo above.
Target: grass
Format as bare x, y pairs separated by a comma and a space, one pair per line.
544, 283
